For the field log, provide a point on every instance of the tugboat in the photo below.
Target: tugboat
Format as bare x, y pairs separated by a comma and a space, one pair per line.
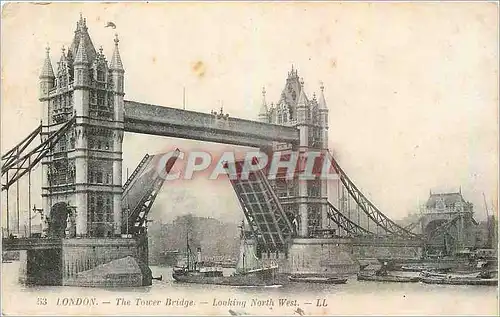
195, 272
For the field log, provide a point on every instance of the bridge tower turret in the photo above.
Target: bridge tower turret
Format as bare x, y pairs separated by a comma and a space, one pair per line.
303, 126
81, 96
47, 80
323, 135
264, 112
117, 78
47, 83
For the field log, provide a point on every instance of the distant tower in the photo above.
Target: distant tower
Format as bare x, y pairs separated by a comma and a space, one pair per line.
83, 171
263, 113
300, 198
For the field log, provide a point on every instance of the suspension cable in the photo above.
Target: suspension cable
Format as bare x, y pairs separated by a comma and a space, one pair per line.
39, 152
367, 206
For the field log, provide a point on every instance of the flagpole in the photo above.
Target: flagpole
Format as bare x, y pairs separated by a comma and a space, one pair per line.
184, 98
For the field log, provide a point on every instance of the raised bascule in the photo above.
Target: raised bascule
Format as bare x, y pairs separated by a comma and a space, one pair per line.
95, 222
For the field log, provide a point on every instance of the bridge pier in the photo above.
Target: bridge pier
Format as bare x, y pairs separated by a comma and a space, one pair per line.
40, 267
333, 256
314, 256
88, 262
386, 252
325, 256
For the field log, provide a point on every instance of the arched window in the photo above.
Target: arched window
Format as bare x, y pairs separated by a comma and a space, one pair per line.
92, 208
93, 95
100, 74
99, 208
100, 98
109, 209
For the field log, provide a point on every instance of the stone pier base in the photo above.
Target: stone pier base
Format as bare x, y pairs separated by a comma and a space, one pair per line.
331, 257
79, 262
40, 267
376, 252
315, 257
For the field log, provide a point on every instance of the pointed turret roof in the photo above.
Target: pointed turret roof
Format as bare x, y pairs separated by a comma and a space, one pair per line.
302, 101
81, 53
116, 61
322, 101
62, 64
263, 108
63, 54
81, 32
292, 88
47, 70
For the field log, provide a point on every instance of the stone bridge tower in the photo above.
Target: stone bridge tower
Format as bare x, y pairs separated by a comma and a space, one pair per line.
448, 220
305, 200
82, 176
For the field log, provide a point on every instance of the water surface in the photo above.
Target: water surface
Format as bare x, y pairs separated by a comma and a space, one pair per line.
167, 297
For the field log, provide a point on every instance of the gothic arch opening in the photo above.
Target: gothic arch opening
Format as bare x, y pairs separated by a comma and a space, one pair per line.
433, 225
58, 220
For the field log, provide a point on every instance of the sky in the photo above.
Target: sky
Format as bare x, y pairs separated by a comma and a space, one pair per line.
412, 88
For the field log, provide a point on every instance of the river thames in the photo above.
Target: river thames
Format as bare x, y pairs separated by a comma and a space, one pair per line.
167, 297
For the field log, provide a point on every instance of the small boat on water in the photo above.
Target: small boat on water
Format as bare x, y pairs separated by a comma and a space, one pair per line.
460, 280
409, 268
452, 274
481, 278
257, 277
195, 272
387, 278
382, 275
422, 268
317, 279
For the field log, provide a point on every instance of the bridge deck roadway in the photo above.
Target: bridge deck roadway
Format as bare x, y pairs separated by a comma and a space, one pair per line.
364, 241
45, 243
387, 242
172, 122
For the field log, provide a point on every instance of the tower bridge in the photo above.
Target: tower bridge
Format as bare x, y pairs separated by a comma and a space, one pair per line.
93, 217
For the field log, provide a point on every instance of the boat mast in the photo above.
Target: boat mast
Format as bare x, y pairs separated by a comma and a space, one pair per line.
242, 242
488, 224
187, 249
